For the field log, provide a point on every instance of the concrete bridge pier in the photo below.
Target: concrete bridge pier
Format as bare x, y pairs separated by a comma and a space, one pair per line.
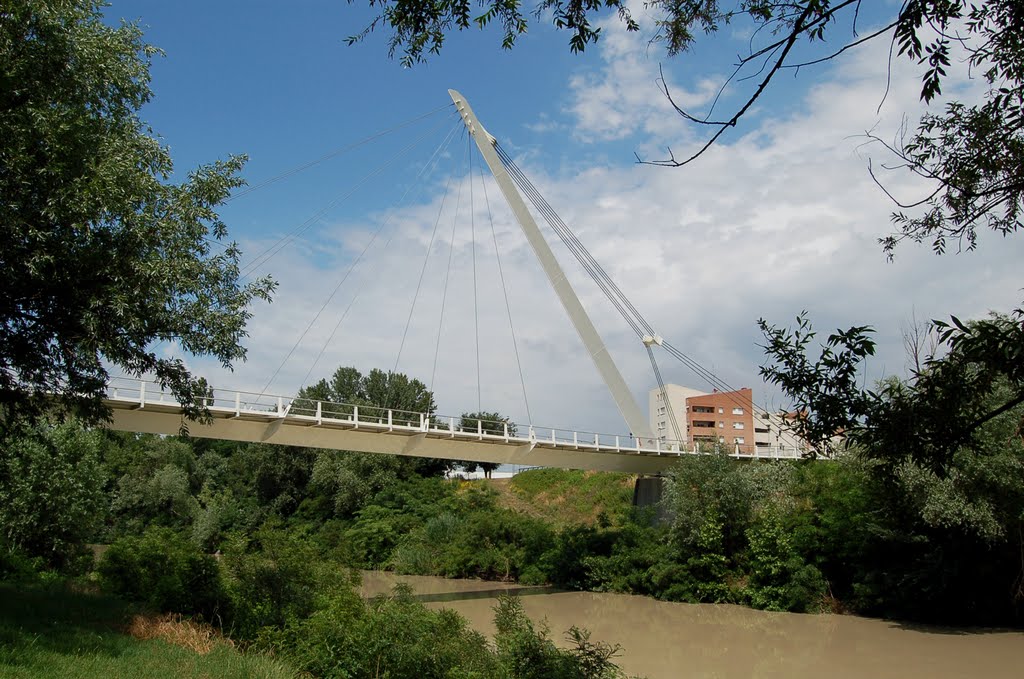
648, 492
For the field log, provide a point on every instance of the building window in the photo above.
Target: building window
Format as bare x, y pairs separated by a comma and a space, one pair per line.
703, 409
737, 411
661, 410
721, 425
703, 423
739, 440
721, 411
737, 425
758, 430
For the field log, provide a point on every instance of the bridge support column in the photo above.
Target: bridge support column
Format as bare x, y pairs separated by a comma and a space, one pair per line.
648, 491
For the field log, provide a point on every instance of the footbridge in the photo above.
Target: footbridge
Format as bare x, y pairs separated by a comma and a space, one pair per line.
141, 406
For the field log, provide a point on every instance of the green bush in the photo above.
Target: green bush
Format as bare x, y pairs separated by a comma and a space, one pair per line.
391, 636
273, 579
528, 653
51, 492
780, 579
165, 571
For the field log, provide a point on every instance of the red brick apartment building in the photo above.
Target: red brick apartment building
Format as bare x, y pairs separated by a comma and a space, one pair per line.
680, 413
724, 416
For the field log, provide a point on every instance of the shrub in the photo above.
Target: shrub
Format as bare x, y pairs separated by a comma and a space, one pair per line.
528, 653
391, 636
51, 492
272, 580
780, 579
165, 571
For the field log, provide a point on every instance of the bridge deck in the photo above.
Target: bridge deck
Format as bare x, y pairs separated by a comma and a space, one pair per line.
318, 424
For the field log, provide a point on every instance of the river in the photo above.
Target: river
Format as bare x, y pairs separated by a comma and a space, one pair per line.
662, 640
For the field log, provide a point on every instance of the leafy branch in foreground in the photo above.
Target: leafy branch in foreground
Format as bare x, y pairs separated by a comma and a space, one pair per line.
927, 419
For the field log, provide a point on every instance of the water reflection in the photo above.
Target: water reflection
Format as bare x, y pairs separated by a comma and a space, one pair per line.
664, 640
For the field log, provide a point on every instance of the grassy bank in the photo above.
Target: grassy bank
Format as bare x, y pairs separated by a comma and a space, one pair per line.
55, 631
564, 497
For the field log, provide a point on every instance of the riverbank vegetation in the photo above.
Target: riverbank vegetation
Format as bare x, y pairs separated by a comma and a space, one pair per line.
258, 543
850, 534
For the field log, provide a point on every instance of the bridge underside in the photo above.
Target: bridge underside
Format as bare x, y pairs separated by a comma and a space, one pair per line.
383, 437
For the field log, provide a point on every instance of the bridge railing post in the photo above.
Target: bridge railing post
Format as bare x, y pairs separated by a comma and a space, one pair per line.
319, 412
575, 440
390, 421
451, 426
142, 394
506, 432
479, 430
597, 442
355, 416
238, 404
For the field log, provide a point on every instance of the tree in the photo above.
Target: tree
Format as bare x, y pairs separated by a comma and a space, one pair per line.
971, 154
493, 423
373, 393
51, 491
946, 452
103, 258
377, 389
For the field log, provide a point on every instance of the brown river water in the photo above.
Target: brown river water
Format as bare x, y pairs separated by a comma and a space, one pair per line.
662, 640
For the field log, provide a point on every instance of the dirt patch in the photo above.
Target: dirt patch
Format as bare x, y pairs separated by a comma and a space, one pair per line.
174, 629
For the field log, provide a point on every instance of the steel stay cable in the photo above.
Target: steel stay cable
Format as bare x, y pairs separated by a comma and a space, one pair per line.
596, 270
661, 386
504, 290
415, 298
472, 242
291, 236
444, 294
431, 163
589, 263
566, 234
333, 154
352, 267
576, 248
724, 388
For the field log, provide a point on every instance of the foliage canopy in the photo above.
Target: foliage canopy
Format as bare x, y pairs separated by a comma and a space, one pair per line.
102, 258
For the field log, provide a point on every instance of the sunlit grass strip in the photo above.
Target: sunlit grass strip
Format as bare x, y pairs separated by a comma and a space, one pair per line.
52, 631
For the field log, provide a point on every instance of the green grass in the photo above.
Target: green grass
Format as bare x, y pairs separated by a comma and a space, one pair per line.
570, 496
51, 631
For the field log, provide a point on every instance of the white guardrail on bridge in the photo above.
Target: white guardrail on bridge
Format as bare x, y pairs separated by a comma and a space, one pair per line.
222, 403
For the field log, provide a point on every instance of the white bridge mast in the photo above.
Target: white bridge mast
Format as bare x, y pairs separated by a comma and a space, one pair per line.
588, 333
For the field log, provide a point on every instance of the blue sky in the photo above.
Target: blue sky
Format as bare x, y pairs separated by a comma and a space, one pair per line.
780, 217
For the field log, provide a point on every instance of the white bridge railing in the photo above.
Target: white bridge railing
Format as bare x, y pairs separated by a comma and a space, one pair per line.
230, 402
